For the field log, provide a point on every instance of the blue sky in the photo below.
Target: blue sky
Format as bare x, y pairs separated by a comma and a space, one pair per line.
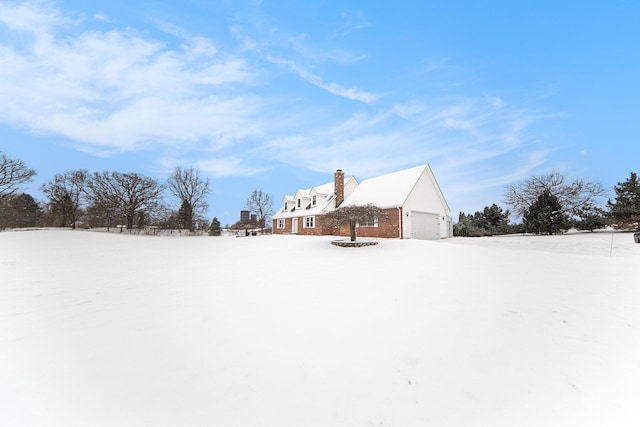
278, 94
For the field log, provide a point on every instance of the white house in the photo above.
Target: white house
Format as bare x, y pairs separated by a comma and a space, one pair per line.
412, 199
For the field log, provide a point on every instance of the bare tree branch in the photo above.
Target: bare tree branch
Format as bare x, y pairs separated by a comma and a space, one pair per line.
260, 204
126, 193
574, 195
191, 189
65, 192
353, 214
13, 172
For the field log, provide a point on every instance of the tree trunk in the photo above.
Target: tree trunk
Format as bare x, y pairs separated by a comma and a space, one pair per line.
352, 228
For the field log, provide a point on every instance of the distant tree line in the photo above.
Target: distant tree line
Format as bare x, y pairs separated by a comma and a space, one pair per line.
552, 204
546, 204
109, 199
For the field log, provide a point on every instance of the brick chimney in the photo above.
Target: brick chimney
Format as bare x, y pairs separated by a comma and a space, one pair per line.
338, 186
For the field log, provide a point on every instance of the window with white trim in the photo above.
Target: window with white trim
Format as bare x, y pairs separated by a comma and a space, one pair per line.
299, 202
286, 206
313, 200
371, 222
280, 223
309, 222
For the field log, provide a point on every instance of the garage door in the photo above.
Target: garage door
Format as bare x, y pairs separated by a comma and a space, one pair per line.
425, 226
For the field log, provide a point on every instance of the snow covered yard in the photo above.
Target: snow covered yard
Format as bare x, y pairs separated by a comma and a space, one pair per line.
102, 329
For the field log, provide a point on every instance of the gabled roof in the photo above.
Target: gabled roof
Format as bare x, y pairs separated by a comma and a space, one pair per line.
390, 190
307, 210
324, 188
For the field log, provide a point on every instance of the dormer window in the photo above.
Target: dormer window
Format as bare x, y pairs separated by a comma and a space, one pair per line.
299, 202
285, 206
313, 200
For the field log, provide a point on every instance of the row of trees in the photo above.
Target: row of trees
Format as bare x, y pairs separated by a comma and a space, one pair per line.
551, 203
110, 198
547, 204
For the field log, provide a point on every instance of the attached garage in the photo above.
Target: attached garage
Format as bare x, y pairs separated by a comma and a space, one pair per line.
425, 226
414, 205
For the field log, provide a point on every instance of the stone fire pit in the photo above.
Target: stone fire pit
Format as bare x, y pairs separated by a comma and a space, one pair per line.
356, 244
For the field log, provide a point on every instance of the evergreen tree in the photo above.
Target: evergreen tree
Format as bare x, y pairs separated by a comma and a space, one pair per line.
214, 228
624, 212
185, 216
591, 218
464, 226
495, 220
19, 210
491, 221
545, 215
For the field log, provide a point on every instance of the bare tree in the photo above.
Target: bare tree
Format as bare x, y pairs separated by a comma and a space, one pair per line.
260, 204
191, 189
574, 196
127, 194
13, 172
353, 214
65, 192
99, 215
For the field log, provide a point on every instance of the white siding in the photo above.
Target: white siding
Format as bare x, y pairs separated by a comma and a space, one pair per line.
425, 226
425, 197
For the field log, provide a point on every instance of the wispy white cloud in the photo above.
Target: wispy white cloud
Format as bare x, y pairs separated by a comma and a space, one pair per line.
465, 136
229, 166
208, 105
296, 51
120, 90
103, 17
31, 17
353, 20
351, 93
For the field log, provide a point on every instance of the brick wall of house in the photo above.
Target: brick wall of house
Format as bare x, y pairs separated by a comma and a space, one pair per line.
320, 228
285, 230
385, 229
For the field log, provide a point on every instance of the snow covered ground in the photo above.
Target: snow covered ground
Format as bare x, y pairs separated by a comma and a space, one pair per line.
102, 329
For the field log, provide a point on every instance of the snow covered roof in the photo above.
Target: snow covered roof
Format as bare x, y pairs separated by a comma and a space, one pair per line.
306, 210
324, 188
386, 191
323, 204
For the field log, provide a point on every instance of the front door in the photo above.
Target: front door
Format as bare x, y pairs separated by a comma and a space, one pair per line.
294, 225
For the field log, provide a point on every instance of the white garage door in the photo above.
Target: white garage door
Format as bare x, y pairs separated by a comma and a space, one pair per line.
425, 226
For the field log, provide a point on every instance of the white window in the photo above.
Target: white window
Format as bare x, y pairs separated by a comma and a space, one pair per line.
281, 223
299, 201
371, 222
285, 206
313, 201
309, 221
